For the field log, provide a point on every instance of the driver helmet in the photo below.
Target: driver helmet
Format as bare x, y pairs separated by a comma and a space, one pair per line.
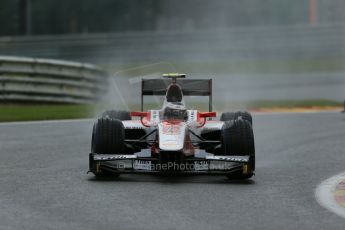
174, 111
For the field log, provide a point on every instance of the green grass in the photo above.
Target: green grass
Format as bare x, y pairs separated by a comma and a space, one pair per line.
293, 104
252, 105
51, 112
44, 112
268, 104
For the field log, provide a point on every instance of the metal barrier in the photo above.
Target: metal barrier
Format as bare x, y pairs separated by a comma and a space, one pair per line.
50, 81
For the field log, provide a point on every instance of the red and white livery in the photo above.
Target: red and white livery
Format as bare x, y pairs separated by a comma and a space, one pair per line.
173, 139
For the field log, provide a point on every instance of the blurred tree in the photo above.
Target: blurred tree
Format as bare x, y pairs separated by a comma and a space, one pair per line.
9, 17
89, 16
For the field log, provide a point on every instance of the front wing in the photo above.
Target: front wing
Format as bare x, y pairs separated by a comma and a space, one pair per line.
213, 165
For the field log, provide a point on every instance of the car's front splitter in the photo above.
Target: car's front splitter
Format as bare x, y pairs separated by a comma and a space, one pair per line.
132, 164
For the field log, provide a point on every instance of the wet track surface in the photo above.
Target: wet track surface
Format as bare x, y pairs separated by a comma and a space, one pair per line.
43, 183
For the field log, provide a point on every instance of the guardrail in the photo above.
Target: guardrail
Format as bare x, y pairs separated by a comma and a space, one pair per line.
50, 81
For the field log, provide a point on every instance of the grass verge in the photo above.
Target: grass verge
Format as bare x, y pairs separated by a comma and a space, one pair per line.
44, 112
245, 66
53, 112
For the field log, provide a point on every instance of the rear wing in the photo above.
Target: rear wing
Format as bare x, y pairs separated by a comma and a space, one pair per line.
190, 87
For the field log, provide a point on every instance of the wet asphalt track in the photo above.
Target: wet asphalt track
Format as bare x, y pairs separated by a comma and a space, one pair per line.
43, 182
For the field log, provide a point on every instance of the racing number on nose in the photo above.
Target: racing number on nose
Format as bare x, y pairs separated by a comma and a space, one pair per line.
171, 129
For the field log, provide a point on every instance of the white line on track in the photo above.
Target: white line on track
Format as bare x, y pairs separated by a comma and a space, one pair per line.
325, 194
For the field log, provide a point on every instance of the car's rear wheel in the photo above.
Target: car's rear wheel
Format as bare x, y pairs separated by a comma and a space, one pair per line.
107, 138
117, 114
227, 116
238, 140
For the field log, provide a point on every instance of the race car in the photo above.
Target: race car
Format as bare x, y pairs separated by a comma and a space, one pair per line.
173, 139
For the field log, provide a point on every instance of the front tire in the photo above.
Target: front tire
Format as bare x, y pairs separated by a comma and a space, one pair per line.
238, 139
107, 138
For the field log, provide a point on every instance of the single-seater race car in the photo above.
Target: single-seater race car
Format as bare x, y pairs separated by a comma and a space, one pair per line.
173, 139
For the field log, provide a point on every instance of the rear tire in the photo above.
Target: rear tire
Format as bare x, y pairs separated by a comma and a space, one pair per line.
233, 116
238, 139
227, 116
117, 114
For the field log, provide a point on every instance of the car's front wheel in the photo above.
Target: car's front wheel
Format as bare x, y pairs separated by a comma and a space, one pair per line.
107, 138
238, 140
